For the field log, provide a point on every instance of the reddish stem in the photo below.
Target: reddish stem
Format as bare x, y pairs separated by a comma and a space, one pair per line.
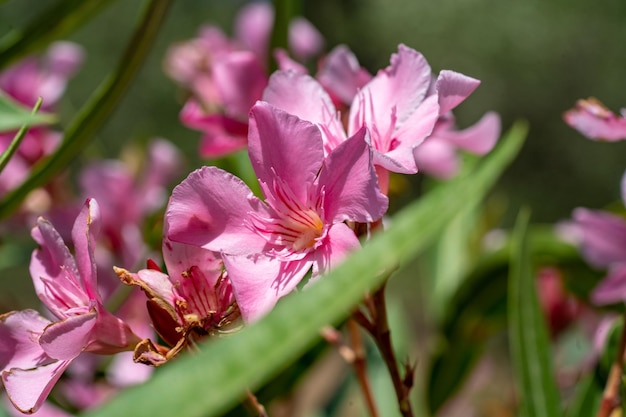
610, 397
360, 367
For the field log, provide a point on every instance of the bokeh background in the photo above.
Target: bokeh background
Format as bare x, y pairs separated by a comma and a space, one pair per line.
535, 59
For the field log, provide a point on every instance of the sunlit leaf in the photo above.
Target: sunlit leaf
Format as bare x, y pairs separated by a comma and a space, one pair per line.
213, 380
528, 335
14, 115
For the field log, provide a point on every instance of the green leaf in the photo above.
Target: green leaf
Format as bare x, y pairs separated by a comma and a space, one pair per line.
14, 115
216, 378
99, 107
58, 20
587, 398
477, 311
6, 156
528, 335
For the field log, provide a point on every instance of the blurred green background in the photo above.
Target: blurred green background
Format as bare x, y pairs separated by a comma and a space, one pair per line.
535, 59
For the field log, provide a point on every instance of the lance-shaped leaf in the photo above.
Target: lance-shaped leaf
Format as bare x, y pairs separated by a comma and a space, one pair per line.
14, 115
216, 378
530, 346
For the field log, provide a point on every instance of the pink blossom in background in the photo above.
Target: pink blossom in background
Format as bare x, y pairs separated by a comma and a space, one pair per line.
593, 120
36, 351
299, 226
438, 154
45, 77
112, 182
602, 237
227, 76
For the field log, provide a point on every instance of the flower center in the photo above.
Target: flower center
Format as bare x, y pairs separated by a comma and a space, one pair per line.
302, 228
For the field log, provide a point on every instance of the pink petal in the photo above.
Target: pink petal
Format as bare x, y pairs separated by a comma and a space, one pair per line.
398, 89
253, 27
65, 58
478, 139
592, 119
84, 232
19, 339
339, 242
55, 276
411, 134
208, 209
222, 134
179, 258
452, 88
284, 146
259, 282
240, 80
301, 95
285, 63
156, 284
437, 158
612, 289
342, 75
305, 41
66, 339
349, 183
603, 236
28, 389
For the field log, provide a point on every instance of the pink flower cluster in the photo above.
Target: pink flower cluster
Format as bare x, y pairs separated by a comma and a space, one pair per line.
322, 148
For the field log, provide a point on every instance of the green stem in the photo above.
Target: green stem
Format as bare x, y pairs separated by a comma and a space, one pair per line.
17, 140
99, 107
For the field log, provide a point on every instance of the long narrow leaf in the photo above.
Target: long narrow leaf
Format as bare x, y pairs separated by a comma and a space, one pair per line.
99, 107
530, 347
216, 378
56, 21
14, 115
6, 156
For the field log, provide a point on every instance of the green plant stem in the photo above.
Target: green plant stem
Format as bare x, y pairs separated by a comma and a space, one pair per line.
610, 397
17, 140
55, 22
98, 109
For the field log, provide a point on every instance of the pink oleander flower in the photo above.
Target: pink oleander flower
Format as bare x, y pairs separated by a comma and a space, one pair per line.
592, 119
194, 299
399, 107
603, 244
226, 77
35, 351
301, 223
